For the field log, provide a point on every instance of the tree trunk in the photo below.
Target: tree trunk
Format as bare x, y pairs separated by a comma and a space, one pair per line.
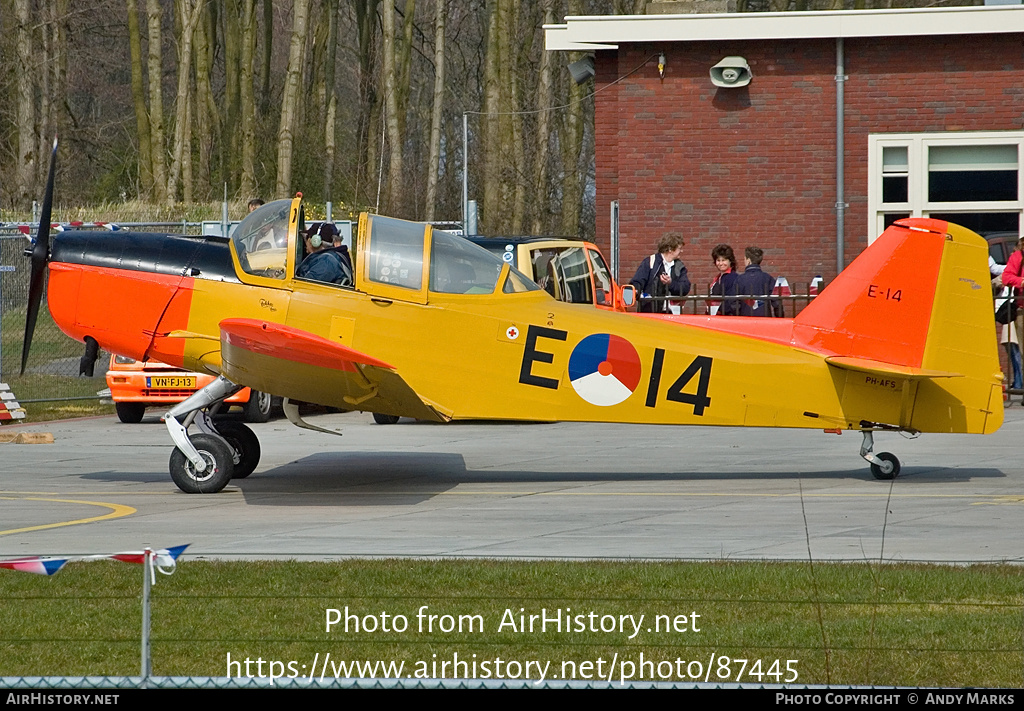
572, 144
247, 100
434, 162
205, 109
188, 17
367, 127
330, 99
268, 47
139, 99
490, 129
27, 158
290, 99
392, 81
154, 16
545, 97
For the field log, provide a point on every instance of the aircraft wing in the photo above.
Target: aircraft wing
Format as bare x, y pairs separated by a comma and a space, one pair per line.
299, 365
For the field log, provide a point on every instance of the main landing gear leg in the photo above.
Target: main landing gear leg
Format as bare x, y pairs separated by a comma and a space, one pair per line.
884, 465
205, 462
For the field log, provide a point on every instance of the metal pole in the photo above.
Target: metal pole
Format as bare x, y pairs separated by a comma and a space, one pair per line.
614, 238
224, 213
147, 571
2, 271
840, 158
465, 170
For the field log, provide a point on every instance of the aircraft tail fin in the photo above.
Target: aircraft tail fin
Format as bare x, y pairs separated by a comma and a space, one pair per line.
915, 307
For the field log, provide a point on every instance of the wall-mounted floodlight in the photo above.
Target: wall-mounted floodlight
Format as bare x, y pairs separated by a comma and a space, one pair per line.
731, 72
582, 69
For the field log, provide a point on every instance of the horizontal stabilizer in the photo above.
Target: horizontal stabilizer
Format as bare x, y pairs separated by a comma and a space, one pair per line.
866, 365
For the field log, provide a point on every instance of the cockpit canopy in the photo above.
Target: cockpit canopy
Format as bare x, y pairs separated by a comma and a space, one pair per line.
261, 240
389, 255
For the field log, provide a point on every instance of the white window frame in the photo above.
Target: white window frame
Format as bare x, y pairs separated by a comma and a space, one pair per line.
918, 145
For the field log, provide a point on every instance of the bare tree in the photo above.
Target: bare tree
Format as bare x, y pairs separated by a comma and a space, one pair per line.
434, 162
158, 159
26, 120
290, 98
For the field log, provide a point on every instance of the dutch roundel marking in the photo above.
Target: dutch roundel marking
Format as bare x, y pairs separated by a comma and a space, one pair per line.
604, 369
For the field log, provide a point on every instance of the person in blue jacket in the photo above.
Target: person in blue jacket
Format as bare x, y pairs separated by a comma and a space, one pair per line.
662, 274
325, 262
756, 282
725, 283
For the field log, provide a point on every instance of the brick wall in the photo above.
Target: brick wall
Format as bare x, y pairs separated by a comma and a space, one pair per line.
756, 165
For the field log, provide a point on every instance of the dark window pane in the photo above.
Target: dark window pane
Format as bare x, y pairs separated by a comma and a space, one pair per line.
894, 189
891, 217
972, 185
984, 223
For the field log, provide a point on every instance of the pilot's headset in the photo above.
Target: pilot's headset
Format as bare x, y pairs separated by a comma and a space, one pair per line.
313, 235
326, 233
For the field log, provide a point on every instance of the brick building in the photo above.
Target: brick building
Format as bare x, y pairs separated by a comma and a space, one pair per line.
930, 117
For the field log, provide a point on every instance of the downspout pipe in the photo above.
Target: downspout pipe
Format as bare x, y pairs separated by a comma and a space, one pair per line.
840, 158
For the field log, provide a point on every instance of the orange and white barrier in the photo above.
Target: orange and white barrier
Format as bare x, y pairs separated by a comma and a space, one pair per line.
9, 407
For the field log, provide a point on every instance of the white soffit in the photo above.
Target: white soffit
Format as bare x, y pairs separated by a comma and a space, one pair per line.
588, 33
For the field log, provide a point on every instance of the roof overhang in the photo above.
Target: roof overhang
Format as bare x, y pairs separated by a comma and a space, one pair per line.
589, 33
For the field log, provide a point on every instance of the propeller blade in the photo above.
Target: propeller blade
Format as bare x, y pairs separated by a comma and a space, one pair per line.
40, 255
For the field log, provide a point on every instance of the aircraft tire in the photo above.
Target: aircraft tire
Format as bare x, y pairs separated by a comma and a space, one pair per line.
245, 442
216, 476
877, 471
131, 413
259, 406
385, 419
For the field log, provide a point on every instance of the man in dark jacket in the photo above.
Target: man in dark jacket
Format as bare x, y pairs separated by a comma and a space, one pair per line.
662, 274
754, 282
325, 262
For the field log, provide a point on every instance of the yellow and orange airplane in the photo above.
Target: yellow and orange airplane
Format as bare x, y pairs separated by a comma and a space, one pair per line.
433, 327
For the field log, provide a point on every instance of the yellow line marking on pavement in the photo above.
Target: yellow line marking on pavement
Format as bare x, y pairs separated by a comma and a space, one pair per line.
116, 511
999, 500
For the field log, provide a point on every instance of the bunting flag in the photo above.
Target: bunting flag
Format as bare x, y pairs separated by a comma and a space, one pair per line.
781, 287
816, 283
164, 560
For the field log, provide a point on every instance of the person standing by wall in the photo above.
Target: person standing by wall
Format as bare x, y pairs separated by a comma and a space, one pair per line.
725, 283
756, 282
662, 274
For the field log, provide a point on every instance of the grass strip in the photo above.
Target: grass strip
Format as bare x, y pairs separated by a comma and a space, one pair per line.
888, 624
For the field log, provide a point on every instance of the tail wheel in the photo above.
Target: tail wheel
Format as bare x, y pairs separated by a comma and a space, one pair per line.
130, 412
258, 407
889, 467
245, 443
219, 466
385, 419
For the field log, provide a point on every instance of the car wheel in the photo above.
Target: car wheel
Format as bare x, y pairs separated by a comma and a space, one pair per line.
130, 412
245, 443
219, 466
258, 407
385, 419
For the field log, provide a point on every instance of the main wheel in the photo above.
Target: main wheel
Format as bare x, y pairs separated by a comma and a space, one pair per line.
219, 466
245, 443
879, 471
130, 412
385, 419
258, 407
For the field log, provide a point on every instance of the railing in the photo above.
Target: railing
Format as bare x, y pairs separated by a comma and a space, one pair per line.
696, 303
